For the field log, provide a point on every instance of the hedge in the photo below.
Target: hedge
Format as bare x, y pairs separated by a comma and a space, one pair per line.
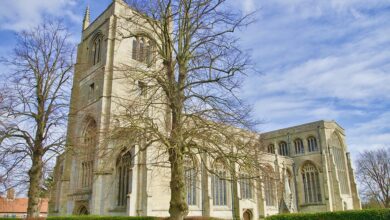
92, 217
366, 214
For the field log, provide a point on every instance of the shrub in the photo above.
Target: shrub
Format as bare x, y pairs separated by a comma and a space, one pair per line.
91, 217
192, 218
367, 214
88, 217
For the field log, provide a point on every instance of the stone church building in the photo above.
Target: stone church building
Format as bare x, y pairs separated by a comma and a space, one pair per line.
310, 162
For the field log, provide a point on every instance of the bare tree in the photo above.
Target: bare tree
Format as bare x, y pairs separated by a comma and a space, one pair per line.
35, 110
373, 172
190, 74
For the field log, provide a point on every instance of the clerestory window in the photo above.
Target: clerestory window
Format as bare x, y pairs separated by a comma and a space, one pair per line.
299, 148
271, 149
283, 149
312, 144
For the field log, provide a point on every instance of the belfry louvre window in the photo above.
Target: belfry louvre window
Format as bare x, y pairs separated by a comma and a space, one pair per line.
271, 149
283, 149
299, 148
142, 51
269, 188
125, 175
190, 180
311, 184
245, 186
219, 185
312, 144
96, 50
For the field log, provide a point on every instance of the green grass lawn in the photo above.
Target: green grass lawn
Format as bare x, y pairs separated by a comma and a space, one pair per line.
366, 214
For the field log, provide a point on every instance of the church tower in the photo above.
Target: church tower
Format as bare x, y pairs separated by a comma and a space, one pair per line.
87, 177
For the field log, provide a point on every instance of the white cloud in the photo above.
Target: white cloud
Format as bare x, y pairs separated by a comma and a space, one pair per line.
248, 6
323, 60
21, 14
370, 135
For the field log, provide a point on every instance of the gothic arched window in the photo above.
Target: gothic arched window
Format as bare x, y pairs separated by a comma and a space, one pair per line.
311, 184
142, 51
97, 49
88, 154
271, 149
312, 144
219, 184
269, 187
283, 149
125, 176
135, 49
246, 186
190, 173
299, 148
339, 158
148, 53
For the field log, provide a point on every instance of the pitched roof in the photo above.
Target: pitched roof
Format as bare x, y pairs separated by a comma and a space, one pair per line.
19, 205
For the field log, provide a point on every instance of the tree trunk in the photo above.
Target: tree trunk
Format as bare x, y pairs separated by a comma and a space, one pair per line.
35, 175
235, 200
178, 208
205, 188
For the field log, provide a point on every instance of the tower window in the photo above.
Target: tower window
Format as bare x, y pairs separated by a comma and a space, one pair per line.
96, 50
88, 155
142, 51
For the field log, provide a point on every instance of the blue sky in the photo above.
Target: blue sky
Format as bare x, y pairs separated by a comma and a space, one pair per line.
319, 59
